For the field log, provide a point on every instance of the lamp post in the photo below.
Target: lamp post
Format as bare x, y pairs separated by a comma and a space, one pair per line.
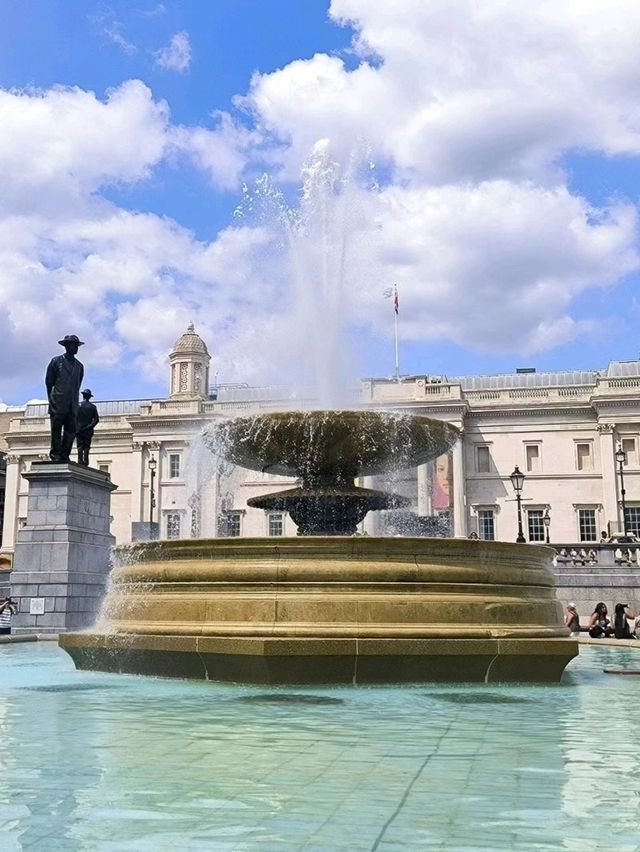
517, 480
546, 520
621, 459
152, 494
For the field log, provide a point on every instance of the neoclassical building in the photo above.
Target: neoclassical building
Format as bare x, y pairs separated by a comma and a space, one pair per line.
562, 430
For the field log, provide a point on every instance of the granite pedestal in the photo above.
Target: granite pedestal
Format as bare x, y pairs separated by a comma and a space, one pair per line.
62, 555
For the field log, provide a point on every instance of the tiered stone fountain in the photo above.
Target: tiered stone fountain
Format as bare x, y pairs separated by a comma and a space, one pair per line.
327, 606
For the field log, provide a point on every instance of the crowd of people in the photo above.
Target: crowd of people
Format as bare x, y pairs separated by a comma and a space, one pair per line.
625, 624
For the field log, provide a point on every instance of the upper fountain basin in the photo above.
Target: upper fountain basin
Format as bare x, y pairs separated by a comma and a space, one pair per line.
331, 445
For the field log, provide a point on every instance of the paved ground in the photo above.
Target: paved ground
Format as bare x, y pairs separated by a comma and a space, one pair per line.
617, 643
28, 637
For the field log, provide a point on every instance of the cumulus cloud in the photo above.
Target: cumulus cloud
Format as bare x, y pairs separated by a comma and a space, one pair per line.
471, 141
474, 217
176, 56
467, 91
72, 261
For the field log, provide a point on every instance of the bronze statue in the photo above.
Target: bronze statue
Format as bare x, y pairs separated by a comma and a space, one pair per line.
88, 419
63, 380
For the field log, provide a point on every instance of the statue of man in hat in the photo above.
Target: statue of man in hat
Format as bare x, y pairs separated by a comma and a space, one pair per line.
63, 380
88, 419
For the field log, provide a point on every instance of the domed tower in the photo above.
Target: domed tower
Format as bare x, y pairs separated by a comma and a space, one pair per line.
189, 361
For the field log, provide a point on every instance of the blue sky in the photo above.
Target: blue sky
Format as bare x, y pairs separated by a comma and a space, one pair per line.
506, 209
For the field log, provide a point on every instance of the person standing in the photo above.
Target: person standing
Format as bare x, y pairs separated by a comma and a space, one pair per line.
63, 380
7, 611
88, 419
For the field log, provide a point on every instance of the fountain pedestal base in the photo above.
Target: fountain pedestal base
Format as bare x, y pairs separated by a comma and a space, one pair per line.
331, 610
328, 661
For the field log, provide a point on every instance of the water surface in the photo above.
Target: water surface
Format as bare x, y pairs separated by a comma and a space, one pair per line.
106, 762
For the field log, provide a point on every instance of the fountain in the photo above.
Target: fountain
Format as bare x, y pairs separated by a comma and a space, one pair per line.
328, 606
327, 450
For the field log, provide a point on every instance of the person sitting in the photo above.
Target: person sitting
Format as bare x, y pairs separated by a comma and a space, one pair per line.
582, 556
572, 619
604, 538
599, 623
621, 624
593, 557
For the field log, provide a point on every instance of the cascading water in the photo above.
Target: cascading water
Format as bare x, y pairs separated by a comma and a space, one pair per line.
327, 451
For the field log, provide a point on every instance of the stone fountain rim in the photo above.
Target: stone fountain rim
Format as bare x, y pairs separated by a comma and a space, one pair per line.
148, 551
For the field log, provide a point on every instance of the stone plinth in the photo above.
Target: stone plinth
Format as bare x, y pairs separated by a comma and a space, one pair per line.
331, 610
62, 555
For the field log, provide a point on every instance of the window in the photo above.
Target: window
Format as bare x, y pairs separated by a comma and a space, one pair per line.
483, 459
630, 451
584, 460
532, 452
535, 524
105, 467
587, 525
632, 515
173, 524
174, 465
275, 523
233, 524
486, 525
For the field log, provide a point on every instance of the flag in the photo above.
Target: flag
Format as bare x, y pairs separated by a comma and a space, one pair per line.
392, 291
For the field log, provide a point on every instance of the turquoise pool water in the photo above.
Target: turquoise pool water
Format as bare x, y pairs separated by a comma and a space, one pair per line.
105, 762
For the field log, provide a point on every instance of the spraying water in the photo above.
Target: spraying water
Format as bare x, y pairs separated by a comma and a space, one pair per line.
326, 241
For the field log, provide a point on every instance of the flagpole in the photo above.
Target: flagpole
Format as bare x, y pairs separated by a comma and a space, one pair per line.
395, 328
395, 323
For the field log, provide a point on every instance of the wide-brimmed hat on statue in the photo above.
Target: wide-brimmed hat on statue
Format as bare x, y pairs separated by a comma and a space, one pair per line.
71, 338
87, 392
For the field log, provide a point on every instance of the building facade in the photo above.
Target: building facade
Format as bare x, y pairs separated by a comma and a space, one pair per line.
562, 430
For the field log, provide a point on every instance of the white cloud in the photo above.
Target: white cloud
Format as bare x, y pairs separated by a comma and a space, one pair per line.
59, 146
468, 110
114, 34
496, 266
222, 153
466, 91
176, 56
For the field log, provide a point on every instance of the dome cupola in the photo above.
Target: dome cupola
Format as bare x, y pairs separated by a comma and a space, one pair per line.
189, 360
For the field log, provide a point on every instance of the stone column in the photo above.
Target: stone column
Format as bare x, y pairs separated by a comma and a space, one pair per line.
424, 491
459, 500
12, 488
609, 481
62, 556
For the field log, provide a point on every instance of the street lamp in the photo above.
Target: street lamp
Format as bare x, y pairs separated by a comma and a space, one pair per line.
517, 480
152, 494
546, 520
621, 458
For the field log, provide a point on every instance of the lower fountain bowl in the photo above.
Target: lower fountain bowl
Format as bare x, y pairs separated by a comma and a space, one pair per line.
330, 610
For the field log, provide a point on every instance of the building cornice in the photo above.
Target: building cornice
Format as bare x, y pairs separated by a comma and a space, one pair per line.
538, 411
